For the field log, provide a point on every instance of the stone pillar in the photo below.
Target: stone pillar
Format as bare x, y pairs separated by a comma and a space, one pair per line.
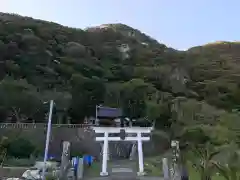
80, 169
165, 169
175, 169
65, 160
133, 152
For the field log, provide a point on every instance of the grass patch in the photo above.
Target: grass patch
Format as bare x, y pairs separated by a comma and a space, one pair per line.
93, 171
193, 174
153, 166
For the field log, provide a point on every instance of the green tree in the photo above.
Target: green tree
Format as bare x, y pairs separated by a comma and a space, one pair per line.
20, 102
203, 159
86, 94
62, 102
133, 98
229, 168
3, 148
231, 126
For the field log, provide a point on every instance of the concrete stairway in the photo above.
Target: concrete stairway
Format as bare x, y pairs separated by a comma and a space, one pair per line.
123, 170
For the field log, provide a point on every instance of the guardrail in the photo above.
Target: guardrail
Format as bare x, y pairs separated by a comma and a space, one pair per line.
40, 125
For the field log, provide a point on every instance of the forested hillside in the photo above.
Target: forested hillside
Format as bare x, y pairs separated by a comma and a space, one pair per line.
114, 65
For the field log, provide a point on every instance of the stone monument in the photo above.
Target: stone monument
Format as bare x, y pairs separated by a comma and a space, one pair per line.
80, 169
175, 169
65, 163
165, 169
133, 151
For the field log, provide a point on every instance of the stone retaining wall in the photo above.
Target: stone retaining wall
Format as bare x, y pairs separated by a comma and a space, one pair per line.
6, 172
81, 136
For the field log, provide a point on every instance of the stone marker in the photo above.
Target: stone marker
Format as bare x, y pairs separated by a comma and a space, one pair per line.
65, 164
133, 152
175, 169
165, 169
80, 169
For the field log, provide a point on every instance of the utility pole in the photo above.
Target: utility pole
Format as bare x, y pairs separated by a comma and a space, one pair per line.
47, 138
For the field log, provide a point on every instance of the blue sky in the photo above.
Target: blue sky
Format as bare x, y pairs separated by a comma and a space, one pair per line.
180, 24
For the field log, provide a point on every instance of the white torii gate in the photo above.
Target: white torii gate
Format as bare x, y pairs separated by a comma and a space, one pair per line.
138, 138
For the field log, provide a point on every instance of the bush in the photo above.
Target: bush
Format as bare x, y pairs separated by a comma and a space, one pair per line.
20, 148
51, 177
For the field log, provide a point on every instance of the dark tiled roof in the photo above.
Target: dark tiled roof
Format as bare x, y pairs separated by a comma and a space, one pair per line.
109, 112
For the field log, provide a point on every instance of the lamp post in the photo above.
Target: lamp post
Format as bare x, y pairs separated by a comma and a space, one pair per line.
96, 109
96, 116
47, 138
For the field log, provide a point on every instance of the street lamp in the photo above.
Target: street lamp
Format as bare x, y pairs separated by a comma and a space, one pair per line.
96, 118
47, 138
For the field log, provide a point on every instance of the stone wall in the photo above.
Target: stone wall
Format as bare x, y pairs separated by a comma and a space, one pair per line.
6, 172
82, 139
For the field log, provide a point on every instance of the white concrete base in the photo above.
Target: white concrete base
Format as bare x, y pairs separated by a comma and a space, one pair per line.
103, 173
141, 173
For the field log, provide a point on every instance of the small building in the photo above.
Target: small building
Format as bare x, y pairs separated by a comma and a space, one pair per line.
108, 116
107, 112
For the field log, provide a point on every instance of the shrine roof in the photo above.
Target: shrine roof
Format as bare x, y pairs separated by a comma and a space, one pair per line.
109, 112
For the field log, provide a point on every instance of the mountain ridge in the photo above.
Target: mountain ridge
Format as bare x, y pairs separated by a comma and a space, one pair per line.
45, 59
110, 24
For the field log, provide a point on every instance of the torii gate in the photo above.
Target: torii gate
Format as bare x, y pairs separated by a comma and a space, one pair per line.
122, 137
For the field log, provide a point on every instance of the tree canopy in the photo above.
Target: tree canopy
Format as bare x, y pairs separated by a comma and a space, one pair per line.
79, 69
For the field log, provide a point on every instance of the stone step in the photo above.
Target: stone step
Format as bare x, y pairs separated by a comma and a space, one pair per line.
121, 177
122, 170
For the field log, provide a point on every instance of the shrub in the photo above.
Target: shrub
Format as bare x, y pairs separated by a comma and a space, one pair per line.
20, 148
51, 177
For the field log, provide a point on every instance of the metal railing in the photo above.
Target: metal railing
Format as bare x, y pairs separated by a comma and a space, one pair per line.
40, 125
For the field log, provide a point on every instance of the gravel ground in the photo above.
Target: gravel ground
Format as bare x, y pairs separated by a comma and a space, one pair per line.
6, 172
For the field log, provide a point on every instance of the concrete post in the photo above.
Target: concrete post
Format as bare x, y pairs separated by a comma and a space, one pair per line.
140, 155
105, 155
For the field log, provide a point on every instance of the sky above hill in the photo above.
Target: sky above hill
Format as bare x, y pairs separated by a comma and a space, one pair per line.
180, 24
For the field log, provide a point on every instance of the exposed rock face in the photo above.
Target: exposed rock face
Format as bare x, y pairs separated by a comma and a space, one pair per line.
74, 49
178, 79
124, 49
